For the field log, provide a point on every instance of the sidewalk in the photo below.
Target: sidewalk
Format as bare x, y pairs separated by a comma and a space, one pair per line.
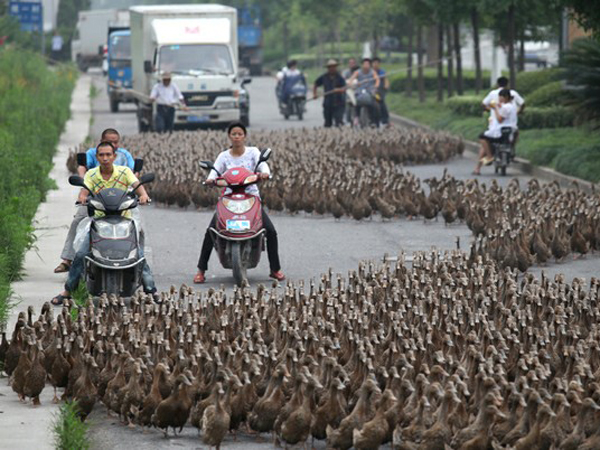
25, 426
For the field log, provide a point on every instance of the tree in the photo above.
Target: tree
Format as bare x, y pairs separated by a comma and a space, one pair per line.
585, 12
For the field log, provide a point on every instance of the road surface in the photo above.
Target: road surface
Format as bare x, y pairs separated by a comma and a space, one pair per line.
309, 245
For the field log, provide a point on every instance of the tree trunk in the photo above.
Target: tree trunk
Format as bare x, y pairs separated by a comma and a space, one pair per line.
457, 49
420, 80
286, 51
440, 63
522, 52
450, 62
375, 43
409, 60
511, 46
476, 51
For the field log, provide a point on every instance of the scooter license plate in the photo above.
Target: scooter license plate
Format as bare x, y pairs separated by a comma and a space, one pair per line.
238, 225
197, 119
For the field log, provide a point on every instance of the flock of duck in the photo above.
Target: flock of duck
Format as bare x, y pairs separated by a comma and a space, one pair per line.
451, 350
358, 173
448, 351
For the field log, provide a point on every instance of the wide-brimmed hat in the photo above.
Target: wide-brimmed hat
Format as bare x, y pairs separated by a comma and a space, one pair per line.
331, 62
165, 75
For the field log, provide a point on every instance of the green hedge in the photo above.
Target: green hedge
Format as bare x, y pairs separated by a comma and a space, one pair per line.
34, 106
398, 81
528, 82
553, 117
532, 117
548, 95
466, 105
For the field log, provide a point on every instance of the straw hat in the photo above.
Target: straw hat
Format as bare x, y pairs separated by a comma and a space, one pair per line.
165, 76
331, 62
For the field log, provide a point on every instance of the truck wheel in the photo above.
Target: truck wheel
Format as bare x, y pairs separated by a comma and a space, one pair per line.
114, 105
111, 282
239, 269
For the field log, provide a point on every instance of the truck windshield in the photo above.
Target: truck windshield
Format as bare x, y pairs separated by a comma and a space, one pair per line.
120, 47
192, 58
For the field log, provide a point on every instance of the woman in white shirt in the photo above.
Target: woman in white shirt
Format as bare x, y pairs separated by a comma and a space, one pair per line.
238, 155
504, 114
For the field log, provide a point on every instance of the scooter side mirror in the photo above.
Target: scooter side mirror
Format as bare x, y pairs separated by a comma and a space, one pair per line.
265, 154
138, 165
147, 178
82, 159
76, 180
246, 80
206, 165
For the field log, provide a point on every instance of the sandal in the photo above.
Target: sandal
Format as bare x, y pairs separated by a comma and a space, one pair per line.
60, 299
62, 267
199, 278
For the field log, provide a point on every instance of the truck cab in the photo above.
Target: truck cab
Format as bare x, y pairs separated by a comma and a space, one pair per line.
197, 44
119, 67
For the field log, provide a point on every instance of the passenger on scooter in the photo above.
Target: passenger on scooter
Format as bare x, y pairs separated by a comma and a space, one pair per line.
504, 115
106, 175
368, 83
288, 79
123, 158
239, 155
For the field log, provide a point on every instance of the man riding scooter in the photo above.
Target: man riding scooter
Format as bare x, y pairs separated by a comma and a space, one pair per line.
239, 155
123, 158
106, 175
291, 81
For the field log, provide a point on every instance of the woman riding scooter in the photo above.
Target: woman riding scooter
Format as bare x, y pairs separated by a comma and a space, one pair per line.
238, 155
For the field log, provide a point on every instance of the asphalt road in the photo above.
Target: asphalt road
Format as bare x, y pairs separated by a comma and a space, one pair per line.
309, 245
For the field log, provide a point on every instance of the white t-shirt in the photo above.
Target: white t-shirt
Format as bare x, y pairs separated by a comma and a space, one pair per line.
248, 160
166, 95
493, 96
509, 112
287, 72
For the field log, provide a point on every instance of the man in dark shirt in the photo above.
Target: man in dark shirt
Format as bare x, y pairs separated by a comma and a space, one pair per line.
334, 99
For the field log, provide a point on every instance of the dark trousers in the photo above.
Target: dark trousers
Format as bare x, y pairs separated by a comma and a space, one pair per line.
384, 115
165, 118
333, 113
272, 244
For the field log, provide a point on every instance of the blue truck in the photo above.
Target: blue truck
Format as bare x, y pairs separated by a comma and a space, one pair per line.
250, 38
119, 67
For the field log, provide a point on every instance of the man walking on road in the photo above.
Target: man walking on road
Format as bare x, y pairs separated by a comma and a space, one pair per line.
334, 99
166, 95
384, 86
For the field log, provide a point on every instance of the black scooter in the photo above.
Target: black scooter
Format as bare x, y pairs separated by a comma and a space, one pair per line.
504, 150
115, 263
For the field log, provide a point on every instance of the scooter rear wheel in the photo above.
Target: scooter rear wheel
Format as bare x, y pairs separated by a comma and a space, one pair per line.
238, 266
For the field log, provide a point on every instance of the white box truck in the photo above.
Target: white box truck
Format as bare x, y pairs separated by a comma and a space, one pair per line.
89, 38
197, 44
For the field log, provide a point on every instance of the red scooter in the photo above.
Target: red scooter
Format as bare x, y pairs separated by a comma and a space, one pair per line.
239, 236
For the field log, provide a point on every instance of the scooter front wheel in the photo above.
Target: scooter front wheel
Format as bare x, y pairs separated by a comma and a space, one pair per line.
238, 266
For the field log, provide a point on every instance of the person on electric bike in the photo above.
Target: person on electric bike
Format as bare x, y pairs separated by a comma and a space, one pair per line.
504, 115
239, 155
367, 85
123, 158
106, 175
288, 79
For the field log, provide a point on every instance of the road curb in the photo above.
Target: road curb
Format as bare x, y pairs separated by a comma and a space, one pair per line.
24, 426
522, 164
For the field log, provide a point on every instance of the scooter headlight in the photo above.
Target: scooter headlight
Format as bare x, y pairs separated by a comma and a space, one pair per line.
119, 230
239, 206
250, 179
97, 205
126, 204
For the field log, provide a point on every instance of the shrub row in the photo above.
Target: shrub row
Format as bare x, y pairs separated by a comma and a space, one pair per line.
398, 81
34, 106
528, 82
549, 95
533, 117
